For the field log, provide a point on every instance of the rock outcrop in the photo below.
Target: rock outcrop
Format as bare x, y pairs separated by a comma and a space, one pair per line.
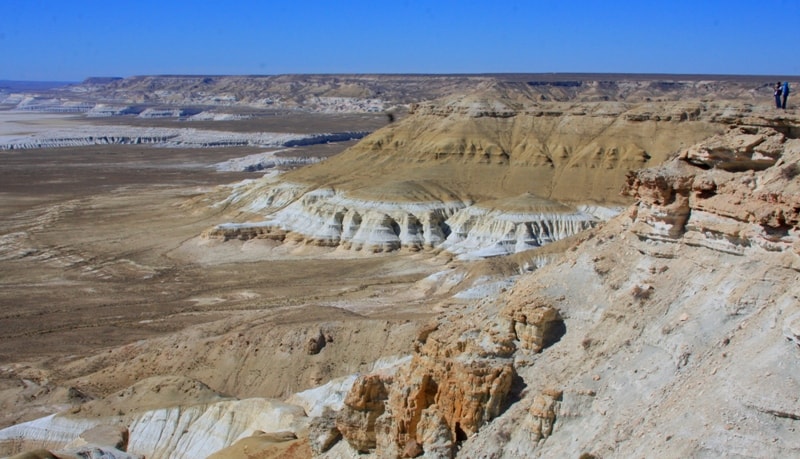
670, 329
362, 407
702, 199
677, 295
186, 424
646, 354
325, 217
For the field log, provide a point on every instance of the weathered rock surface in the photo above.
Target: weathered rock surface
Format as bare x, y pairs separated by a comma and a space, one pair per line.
739, 149
671, 330
489, 173
682, 327
454, 384
325, 217
362, 407
187, 424
755, 209
165, 137
542, 414
536, 323
323, 433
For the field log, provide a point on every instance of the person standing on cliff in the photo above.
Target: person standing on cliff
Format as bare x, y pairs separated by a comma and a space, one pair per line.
778, 92
785, 91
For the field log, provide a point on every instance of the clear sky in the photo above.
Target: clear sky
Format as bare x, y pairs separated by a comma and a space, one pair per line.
69, 40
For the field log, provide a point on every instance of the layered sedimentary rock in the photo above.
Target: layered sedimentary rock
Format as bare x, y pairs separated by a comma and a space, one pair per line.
326, 217
476, 174
701, 198
517, 224
378, 92
187, 425
166, 137
105, 110
499, 143
677, 294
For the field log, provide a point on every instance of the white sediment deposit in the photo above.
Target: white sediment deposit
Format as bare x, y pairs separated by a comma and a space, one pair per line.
161, 113
329, 218
670, 329
191, 421
262, 161
50, 105
209, 115
165, 137
179, 432
105, 110
483, 231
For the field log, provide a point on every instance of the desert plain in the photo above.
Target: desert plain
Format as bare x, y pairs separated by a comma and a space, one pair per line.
100, 248
469, 266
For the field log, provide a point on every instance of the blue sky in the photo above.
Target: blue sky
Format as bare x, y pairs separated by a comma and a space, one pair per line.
71, 40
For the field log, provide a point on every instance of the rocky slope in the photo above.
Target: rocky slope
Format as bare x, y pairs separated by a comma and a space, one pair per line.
669, 327
672, 330
489, 173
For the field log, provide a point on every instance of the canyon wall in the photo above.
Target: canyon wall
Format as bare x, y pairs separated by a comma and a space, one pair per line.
670, 330
666, 324
491, 173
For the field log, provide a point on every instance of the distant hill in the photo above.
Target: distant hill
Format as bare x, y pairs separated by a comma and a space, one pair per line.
17, 86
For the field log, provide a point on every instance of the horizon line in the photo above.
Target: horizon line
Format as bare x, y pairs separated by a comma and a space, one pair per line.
551, 75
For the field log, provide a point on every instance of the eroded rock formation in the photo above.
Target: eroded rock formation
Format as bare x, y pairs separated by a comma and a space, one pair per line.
459, 379
700, 198
486, 174
668, 291
671, 329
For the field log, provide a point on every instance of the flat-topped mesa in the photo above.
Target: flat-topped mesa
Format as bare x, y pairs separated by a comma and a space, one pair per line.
501, 143
365, 93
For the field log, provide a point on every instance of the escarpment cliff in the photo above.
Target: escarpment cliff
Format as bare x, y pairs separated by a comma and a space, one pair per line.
670, 330
577, 275
734, 192
338, 93
489, 173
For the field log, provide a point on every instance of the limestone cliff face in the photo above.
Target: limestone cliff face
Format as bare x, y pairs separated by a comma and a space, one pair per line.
490, 173
670, 330
735, 192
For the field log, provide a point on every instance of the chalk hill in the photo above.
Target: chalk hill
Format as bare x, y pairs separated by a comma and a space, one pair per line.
494, 171
647, 303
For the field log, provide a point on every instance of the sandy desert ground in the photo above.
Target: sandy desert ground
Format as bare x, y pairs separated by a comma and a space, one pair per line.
99, 248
